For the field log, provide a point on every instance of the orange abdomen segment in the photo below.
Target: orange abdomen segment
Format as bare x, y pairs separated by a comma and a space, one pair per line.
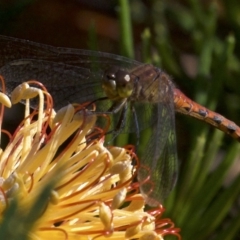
185, 105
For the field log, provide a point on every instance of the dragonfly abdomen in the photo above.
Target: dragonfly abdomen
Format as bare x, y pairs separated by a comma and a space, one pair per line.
185, 105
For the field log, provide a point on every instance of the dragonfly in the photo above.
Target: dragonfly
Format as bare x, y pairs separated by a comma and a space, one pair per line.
138, 96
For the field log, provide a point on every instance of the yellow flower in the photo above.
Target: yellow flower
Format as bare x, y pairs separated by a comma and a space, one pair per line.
59, 181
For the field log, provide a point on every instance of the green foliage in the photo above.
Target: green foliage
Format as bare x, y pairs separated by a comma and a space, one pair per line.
201, 205
17, 222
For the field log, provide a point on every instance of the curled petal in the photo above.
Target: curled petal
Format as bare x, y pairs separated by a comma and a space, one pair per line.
4, 99
106, 216
118, 200
16, 95
30, 92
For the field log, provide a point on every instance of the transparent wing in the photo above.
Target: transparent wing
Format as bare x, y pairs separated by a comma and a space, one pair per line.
66, 83
70, 75
160, 155
12, 49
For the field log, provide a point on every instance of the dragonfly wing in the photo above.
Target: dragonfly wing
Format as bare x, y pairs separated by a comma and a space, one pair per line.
12, 49
70, 75
66, 83
160, 157
160, 154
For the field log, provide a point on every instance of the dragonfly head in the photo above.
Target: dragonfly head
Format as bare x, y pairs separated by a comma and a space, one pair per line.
117, 83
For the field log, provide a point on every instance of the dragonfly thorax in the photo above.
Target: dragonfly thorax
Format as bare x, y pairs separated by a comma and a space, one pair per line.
117, 83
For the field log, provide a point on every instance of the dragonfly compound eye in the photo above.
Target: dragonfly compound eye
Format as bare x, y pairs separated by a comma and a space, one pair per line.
110, 73
109, 87
109, 83
124, 83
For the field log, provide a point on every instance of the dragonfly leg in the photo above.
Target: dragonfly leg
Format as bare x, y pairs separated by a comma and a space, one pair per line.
121, 122
116, 107
97, 100
136, 124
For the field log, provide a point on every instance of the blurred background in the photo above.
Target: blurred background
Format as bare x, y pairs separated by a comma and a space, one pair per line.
198, 44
